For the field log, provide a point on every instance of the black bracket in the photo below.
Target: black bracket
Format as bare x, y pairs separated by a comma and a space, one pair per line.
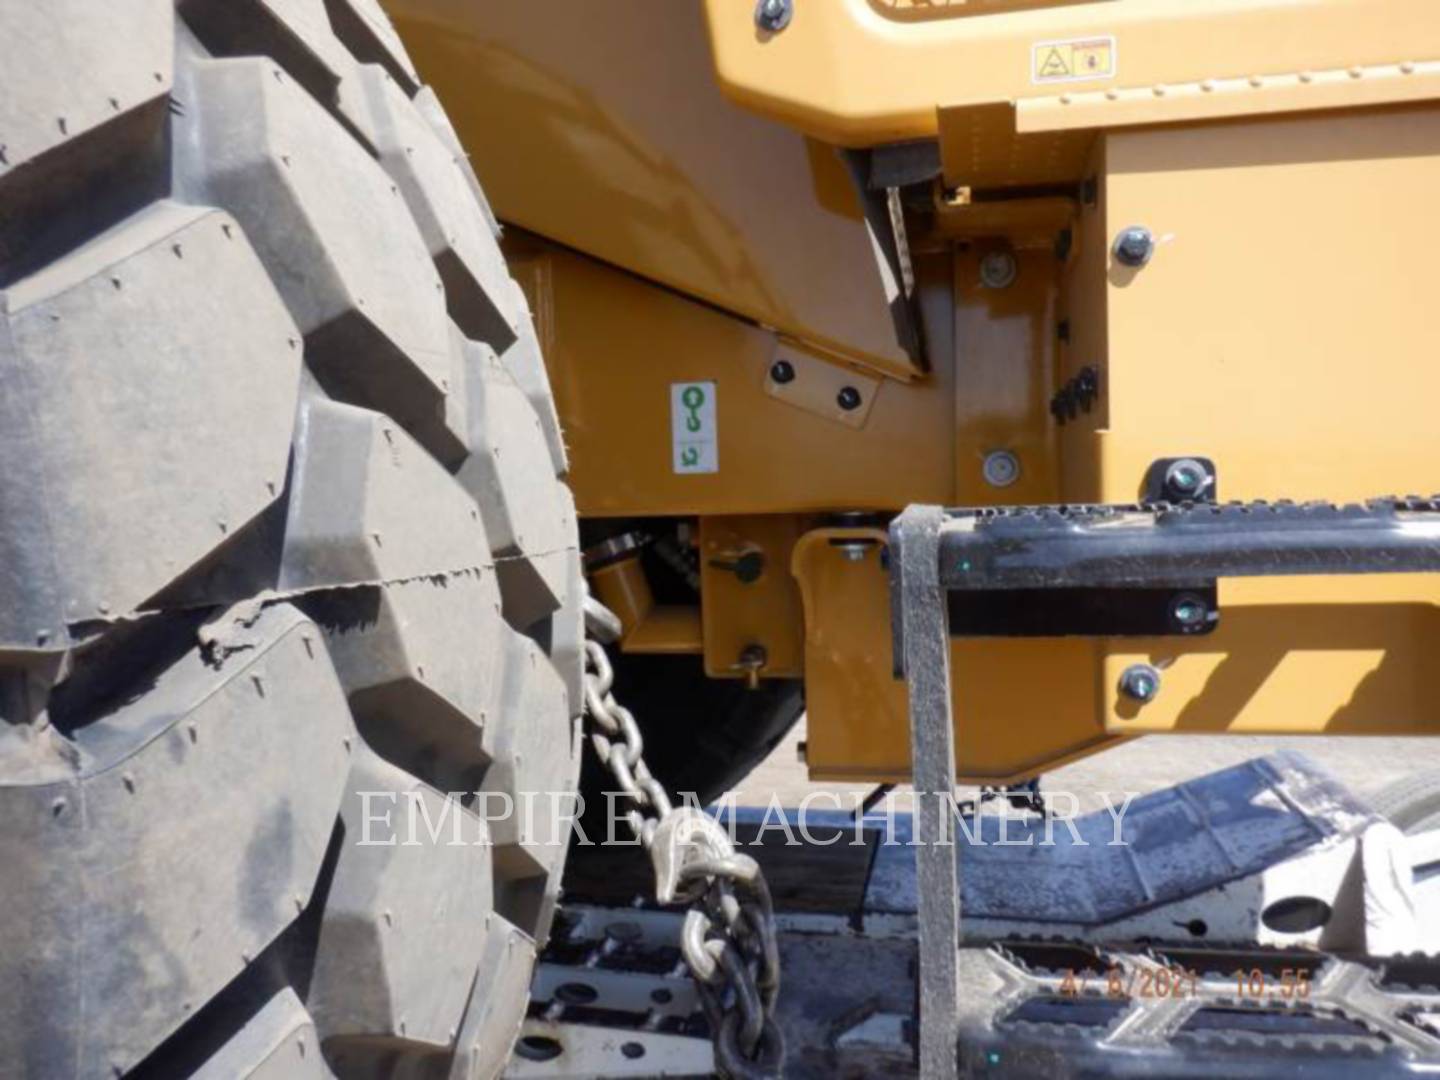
1082, 610
1077, 611
1028, 555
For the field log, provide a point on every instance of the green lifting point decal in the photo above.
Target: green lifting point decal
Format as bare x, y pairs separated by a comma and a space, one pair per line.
693, 435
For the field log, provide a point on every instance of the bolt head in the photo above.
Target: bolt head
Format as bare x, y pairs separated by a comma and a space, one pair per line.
1140, 682
1189, 613
782, 372
773, 15
998, 269
1186, 479
1134, 246
848, 398
749, 566
1001, 468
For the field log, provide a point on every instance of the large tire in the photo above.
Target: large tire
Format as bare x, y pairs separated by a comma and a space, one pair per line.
285, 553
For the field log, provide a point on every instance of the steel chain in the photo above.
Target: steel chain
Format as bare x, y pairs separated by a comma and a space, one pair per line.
728, 939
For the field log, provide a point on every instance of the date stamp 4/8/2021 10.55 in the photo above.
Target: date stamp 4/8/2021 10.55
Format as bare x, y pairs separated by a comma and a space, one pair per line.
1289, 984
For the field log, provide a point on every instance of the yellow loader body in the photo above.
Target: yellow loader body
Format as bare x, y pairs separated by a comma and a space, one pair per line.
882, 241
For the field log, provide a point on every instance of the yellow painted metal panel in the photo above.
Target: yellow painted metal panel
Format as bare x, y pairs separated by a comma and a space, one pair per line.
863, 72
1286, 328
1210, 99
1294, 656
1020, 706
670, 630
600, 126
762, 613
979, 147
1084, 307
1005, 342
614, 345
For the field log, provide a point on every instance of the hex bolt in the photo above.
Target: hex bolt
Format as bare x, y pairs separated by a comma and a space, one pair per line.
1001, 468
1134, 246
1141, 682
998, 269
854, 550
1189, 613
750, 662
848, 398
747, 566
782, 372
773, 15
1186, 479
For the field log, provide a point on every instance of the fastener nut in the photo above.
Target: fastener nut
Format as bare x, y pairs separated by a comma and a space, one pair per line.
773, 15
1189, 613
1141, 682
1134, 246
1186, 479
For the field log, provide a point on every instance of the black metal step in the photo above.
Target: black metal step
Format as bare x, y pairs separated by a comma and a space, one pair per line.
1179, 545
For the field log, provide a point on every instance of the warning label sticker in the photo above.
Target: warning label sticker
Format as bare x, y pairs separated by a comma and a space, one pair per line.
1073, 60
